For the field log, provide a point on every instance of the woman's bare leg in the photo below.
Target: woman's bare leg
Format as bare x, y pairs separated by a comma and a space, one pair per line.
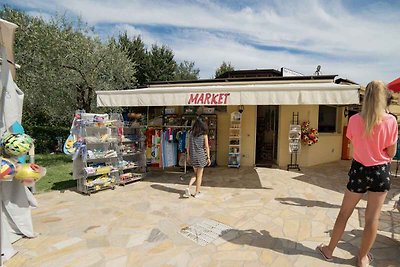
199, 176
349, 202
193, 179
372, 214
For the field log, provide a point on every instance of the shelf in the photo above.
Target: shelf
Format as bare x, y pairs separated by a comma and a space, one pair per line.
132, 141
234, 165
232, 128
125, 181
103, 158
132, 154
134, 126
97, 174
237, 153
92, 189
169, 126
132, 167
235, 145
101, 143
234, 137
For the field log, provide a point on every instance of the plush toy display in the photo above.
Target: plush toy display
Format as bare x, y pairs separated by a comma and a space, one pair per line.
17, 144
7, 169
29, 173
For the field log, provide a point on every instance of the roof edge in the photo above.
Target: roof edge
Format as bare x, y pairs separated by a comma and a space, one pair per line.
249, 79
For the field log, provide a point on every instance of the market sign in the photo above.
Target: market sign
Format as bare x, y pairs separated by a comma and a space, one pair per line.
208, 98
310, 93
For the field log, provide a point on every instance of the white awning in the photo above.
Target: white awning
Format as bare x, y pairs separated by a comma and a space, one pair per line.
247, 94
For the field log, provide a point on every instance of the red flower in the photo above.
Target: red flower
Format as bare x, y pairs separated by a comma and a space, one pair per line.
309, 135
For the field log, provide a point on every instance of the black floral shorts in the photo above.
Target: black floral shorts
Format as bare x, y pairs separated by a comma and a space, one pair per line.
372, 178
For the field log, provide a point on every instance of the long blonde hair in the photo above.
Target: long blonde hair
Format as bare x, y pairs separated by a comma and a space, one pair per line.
374, 104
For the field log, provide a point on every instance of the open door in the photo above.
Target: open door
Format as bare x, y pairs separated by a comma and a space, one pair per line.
267, 135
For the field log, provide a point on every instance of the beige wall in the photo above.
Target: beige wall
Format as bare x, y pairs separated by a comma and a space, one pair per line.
329, 147
248, 135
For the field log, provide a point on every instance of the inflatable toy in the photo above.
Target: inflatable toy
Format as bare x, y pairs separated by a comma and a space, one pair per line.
17, 144
29, 173
7, 169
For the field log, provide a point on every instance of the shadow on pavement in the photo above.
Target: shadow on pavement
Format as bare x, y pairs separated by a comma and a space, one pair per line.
263, 239
389, 221
334, 176
244, 177
384, 249
65, 185
169, 190
295, 201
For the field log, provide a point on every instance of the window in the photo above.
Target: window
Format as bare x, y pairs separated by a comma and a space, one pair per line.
327, 119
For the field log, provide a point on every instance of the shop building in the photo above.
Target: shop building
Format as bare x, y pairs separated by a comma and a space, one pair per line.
268, 100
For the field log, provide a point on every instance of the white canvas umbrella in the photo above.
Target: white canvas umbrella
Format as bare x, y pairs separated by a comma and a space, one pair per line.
15, 199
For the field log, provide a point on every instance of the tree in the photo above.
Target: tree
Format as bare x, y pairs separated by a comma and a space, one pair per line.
162, 64
62, 66
186, 71
97, 67
225, 67
136, 51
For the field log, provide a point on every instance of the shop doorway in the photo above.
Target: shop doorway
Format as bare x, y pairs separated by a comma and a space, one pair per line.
267, 135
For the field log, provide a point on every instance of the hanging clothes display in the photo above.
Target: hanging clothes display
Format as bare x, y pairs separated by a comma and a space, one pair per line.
165, 147
169, 149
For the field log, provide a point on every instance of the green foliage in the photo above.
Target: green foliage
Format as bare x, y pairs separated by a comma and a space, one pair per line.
136, 51
161, 63
62, 65
46, 137
186, 71
225, 67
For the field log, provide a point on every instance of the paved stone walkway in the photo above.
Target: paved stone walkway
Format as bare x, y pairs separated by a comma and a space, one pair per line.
278, 218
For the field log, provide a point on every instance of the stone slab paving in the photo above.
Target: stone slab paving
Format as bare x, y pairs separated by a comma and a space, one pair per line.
277, 219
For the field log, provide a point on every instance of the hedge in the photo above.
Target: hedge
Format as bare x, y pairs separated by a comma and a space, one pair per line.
47, 138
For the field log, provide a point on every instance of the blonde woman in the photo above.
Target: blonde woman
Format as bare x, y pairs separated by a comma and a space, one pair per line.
373, 134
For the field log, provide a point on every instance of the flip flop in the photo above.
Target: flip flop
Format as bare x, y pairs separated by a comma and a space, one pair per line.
319, 249
370, 257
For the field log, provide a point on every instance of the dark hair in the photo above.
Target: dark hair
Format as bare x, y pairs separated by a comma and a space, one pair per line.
199, 128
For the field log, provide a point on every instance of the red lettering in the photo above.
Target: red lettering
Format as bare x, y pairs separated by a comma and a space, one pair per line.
226, 97
220, 98
201, 99
209, 98
206, 100
214, 99
193, 99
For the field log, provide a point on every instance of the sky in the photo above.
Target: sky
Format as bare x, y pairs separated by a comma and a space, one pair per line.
355, 39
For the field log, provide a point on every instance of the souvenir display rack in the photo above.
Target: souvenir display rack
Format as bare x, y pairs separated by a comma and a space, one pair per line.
294, 142
132, 154
95, 163
235, 140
